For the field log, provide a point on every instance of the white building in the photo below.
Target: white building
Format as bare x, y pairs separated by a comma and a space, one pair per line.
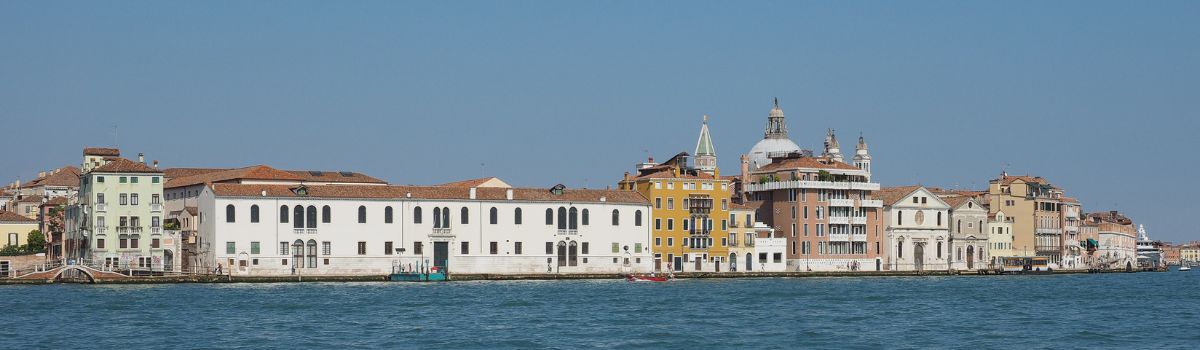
284, 229
1000, 237
968, 232
770, 250
917, 229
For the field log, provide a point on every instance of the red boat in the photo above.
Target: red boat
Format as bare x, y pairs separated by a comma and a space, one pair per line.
646, 278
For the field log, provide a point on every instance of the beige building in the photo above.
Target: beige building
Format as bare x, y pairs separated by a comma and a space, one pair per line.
1035, 207
1190, 253
15, 228
1000, 237
1118, 240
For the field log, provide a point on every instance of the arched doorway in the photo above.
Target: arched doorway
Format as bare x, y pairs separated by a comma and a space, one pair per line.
733, 262
748, 260
970, 257
168, 260
918, 256
878, 264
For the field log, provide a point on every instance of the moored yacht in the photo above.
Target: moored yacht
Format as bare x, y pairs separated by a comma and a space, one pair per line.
1148, 253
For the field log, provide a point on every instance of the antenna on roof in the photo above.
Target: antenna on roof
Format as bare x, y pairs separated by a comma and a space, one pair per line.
114, 135
481, 170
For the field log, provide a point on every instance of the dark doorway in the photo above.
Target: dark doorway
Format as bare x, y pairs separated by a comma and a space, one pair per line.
441, 252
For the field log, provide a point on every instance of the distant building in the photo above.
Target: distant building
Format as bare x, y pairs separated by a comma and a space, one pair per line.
16, 228
1118, 239
775, 141
968, 232
1036, 209
917, 230
116, 221
1000, 237
1190, 253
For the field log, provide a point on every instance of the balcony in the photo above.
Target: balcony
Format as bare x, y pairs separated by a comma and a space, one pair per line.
101, 207
100, 229
797, 184
1048, 231
870, 203
841, 202
156, 230
858, 220
839, 220
156, 207
858, 237
304, 231
839, 237
441, 232
567, 232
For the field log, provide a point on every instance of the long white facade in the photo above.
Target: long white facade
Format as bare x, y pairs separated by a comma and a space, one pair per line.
917, 230
258, 230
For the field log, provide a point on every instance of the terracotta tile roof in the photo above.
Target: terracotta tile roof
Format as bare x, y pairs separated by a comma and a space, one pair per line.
891, 195
335, 176
257, 172
30, 199
106, 152
805, 163
955, 201
57, 201
1069, 200
122, 165
750, 205
67, 176
171, 173
192, 211
427, 192
471, 183
8, 216
1008, 180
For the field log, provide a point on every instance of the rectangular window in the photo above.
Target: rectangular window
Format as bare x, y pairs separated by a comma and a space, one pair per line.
584, 248
670, 241
670, 224
133, 198
805, 230
806, 212
517, 248
133, 179
154, 179
637, 247
657, 241
254, 248
670, 203
658, 203
616, 247
494, 248
100, 179
124, 199
100, 243
549, 247
155, 243
465, 248
124, 179
724, 225
100, 198
362, 248
283, 248
230, 248
326, 249
657, 224
418, 248
387, 248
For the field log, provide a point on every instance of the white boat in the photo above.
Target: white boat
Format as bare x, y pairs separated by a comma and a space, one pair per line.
1148, 253
1184, 267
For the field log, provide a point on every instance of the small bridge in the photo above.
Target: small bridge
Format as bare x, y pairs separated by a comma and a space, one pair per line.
74, 272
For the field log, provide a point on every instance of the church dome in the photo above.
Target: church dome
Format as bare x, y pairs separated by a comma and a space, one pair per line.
758, 153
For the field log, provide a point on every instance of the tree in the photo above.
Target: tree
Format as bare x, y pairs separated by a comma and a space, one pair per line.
35, 242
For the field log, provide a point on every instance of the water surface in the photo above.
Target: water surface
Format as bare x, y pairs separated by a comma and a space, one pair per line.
1067, 311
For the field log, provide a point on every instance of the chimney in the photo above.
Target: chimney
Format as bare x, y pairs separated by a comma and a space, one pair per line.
508, 194
41, 174
156, 164
472, 193
141, 158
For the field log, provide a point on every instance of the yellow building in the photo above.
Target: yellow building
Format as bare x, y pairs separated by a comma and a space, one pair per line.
15, 228
741, 237
689, 209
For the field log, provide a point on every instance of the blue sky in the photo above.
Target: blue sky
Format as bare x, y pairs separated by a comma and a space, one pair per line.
1099, 97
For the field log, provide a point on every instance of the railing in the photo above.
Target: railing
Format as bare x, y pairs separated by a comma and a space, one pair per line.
101, 207
858, 220
1049, 231
839, 220
870, 203
442, 232
565, 232
304, 231
858, 237
156, 207
783, 185
839, 237
100, 229
841, 202
123, 229
156, 230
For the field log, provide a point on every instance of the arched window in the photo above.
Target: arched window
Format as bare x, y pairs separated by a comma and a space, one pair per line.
229, 213
312, 253
549, 216
463, 215
387, 215
939, 219
298, 216
616, 219
562, 218
900, 249
585, 217
326, 216
417, 215
312, 217
445, 217
899, 217
437, 217
939, 251
959, 229
362, 214
517, 216
574, 219
254, 213
283, 214
492, 216
637, 218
